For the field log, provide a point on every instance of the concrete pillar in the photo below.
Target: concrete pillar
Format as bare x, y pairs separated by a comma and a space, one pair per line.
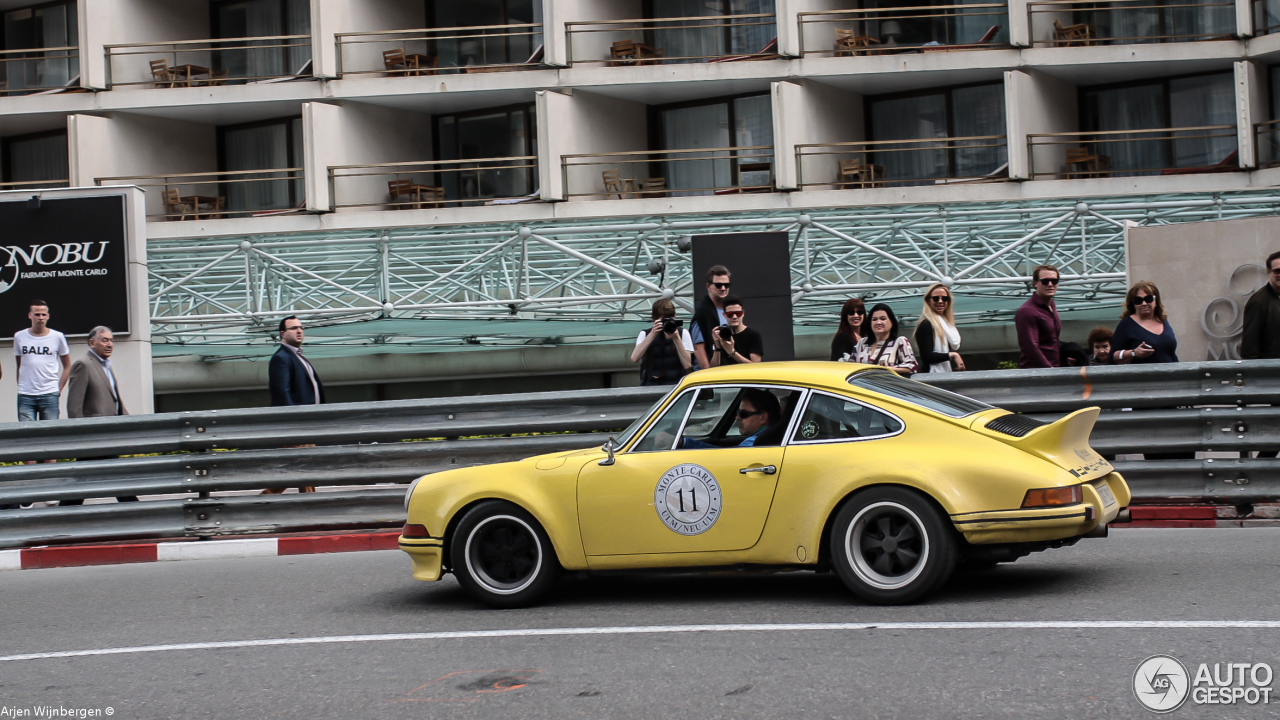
807, 112
321, 148
580, 123
1244, 18
1037, 103
1251, 108
1019, 24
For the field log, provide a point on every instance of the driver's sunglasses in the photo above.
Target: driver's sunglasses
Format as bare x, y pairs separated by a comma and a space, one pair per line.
940, 298
733, 313
721, 286
1048, 281
1143, 299
744, 414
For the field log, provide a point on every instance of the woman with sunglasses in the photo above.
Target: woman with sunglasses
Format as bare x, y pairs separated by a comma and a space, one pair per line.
845, 343
1144, 334
936, 335
741, 344
882, 345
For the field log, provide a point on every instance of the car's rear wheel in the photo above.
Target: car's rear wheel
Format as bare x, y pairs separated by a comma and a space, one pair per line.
891, 545
502, 556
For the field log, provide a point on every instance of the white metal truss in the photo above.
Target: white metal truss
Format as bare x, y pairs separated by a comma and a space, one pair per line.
234, 290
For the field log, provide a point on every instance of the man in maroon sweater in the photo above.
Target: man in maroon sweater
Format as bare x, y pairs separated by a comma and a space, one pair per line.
1038, 323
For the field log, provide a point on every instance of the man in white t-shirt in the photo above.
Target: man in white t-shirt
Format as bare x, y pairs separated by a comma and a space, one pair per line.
43, 360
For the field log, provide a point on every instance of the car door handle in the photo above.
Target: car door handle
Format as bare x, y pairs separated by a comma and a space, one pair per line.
767, 470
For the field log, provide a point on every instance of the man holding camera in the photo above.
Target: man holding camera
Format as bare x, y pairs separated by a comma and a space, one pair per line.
710, 314
735, 342
664, 350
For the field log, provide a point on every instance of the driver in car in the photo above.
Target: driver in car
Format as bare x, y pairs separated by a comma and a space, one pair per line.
757, 410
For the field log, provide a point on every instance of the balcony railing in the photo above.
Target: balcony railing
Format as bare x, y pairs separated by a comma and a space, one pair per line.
23, 72
433, 51
1268, 143
1266, 16
210, 195
1075, 23
886, 31
660, 41
435, 184
899, 163
1127, 153
34, 184
669, 173
209, 63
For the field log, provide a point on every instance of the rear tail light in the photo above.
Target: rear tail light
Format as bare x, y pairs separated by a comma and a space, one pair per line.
1048, 497
415, 531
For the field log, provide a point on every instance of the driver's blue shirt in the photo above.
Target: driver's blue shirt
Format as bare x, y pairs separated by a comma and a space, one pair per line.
692, 444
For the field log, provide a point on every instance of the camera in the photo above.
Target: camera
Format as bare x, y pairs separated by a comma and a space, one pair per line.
725, 332
671, 325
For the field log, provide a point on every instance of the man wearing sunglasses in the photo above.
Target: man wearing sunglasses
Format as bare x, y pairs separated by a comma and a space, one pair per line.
757, 410
1038, 323
710, 314
741, 344
1260, 337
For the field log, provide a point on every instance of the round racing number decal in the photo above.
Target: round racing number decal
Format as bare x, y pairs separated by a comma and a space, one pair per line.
688, 499
809, 430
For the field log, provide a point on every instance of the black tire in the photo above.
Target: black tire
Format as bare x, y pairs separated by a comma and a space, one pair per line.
892, 546
502, 556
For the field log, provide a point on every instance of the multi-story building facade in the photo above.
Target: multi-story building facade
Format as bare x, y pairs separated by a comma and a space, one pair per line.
400, 170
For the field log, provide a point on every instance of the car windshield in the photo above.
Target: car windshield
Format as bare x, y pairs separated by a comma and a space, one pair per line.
627, 434
917, 393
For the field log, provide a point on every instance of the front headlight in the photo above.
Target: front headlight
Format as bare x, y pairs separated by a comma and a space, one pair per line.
409, 493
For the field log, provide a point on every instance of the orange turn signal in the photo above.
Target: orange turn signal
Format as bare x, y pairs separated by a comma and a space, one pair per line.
415, 531
1046, 497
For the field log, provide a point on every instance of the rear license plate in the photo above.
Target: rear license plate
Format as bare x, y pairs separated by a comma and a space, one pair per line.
1108, 499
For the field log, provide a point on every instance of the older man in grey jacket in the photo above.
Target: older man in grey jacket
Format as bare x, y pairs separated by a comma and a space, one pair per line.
92, 390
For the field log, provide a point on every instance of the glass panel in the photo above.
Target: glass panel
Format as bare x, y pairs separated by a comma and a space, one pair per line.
918, 117
831, 418
44, 27
254, 18
662, 435
264, 147
753, 126
1197, 102
486, 47
709, 411
1142, 24
699, 41
37, 158
1129, 108
1266, 17
926, 396
631, 429
499, 134
297, 22
703, 126
978, 111
1191, 21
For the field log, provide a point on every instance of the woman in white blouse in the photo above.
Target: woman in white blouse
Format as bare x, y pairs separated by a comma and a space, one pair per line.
882, 345
937, 338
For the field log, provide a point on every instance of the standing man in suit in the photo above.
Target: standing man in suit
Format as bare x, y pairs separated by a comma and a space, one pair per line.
291, 378
92, 390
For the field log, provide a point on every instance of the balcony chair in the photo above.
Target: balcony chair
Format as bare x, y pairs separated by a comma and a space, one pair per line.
857, 174
1072, 35
217, 78
768, 52
747, 168
396, 62
849, 44
615, 184
629, 52
420, 195
175, 204
982, 42
1089, 164
1230, 163
653, 188
163, 76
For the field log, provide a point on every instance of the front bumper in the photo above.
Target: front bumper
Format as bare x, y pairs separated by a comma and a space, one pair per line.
427, 555
1046, 523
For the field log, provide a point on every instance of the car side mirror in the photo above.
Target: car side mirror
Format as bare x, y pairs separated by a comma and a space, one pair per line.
609, 446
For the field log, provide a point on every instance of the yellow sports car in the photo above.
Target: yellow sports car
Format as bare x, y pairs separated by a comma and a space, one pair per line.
800, 465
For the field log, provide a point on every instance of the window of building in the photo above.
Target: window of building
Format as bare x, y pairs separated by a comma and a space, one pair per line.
274, 145
714, 38
1196, 101
507, 132
262, 18
715, 125
48, 25
973, 111
950, 26
504, 46
35, 158
1178, 21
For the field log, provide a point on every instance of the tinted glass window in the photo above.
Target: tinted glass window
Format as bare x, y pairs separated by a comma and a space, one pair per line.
926, 396
625, 437
662, 436
832, 418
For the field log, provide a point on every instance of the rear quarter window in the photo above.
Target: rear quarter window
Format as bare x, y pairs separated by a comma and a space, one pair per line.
917, 393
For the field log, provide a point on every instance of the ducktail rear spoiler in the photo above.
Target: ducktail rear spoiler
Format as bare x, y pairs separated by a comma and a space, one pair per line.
1064, 443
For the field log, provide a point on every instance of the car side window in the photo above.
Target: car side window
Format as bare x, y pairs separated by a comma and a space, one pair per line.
711, 412
828, 418
662, 436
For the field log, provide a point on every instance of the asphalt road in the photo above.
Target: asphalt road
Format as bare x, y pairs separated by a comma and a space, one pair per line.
749, 672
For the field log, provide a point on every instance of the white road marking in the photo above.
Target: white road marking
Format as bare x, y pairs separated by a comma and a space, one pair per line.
657, 629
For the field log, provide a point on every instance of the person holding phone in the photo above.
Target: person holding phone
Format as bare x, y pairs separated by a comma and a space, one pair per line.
735, 342
1144, 334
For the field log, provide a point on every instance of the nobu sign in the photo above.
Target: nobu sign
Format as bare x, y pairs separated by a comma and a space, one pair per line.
69, 252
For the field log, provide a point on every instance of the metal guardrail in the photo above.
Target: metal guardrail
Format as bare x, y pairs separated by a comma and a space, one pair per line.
1223, 407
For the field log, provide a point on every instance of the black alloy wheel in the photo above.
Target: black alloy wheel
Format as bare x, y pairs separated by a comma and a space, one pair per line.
501, 555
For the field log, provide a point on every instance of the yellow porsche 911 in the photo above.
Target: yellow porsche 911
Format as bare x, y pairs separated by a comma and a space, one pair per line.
887, 481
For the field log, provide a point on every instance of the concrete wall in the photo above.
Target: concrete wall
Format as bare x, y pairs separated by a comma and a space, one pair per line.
1037, 103
807, 112
131, 360
124, 145
585, 46
331, 17
1205, 273
1251, 108
359, 134
584, 123
115, 22
816, 36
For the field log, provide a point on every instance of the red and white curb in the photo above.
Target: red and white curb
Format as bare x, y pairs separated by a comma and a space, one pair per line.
82, 555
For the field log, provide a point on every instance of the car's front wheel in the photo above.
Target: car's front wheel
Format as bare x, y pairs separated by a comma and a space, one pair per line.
502, 556
891, 545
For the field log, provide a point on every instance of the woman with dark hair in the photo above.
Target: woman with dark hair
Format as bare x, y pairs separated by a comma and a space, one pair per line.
882, 345
849, 333
1144, 334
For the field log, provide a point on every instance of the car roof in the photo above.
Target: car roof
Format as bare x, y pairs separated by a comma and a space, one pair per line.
833, 375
